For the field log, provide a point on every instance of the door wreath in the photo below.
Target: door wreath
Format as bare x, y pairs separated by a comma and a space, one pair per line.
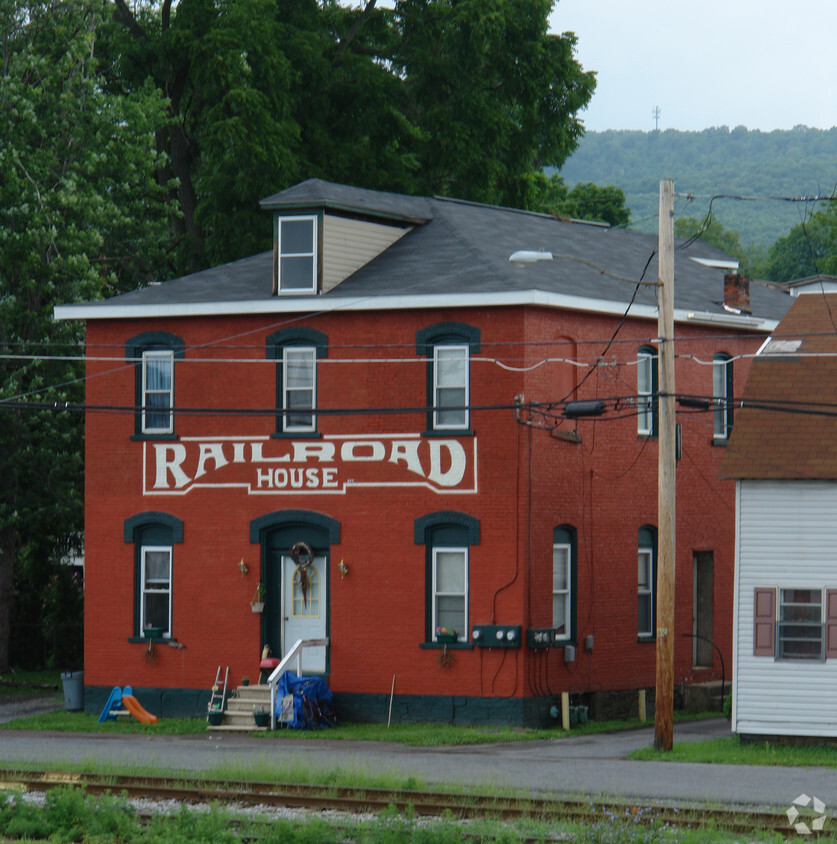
303, 555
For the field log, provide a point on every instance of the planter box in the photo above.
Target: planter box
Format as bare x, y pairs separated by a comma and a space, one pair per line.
446, 638
153, 632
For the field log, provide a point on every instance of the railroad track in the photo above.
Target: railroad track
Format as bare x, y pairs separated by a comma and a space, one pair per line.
375, 800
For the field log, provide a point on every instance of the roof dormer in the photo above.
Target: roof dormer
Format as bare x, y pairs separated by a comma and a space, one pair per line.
322, 233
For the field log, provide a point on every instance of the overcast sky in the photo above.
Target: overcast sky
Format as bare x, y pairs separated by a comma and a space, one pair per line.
763, 64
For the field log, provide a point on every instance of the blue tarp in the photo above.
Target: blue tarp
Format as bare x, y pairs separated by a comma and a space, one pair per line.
303, 703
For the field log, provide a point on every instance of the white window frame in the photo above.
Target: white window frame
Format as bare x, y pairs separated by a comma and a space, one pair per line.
144, 551
645, 393
288, 411
296, 256
819, 625
438, 388
562, 556
645, 558
149, 411
721, 412
461, 635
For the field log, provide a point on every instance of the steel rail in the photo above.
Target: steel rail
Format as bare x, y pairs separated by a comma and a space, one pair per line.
353, 800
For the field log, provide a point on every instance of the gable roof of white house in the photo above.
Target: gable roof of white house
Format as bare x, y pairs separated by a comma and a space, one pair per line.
786, 428
385, 251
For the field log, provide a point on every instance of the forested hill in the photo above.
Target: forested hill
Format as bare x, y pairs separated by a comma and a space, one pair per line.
739, 162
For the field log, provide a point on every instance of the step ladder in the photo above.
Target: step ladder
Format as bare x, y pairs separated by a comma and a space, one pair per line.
219, 692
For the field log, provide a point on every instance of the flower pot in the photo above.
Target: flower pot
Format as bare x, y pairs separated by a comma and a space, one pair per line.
215, 717
153, 632
446, 638
262, 719
257, 606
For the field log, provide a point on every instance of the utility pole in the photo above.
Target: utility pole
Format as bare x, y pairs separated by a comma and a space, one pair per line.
666, 544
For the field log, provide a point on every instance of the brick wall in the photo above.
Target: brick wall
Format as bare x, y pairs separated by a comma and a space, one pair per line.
528, 482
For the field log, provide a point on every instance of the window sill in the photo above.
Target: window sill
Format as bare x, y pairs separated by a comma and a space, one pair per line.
296, 435
645, 638
720, 441
431, 646
144, 640
154, 436
448, 432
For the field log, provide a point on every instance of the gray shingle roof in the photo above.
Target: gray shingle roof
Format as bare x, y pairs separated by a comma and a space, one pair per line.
458, 247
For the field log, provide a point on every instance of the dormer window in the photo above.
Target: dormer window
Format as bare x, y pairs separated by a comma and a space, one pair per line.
296, 246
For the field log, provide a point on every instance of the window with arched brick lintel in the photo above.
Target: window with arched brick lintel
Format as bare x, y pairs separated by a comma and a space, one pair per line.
296, 351
153, 354
153, 535
447, 536
646, 582
448, 347
564, 572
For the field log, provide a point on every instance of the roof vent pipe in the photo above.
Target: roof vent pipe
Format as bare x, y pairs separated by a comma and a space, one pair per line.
737, 293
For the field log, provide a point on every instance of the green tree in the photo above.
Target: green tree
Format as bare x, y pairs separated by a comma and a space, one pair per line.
494, 95
585, 201
429, 96
81, 216
808, 249
712, 232
261, 94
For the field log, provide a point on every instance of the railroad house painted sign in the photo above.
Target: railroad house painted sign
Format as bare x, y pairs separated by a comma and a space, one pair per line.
394, 397
262, 466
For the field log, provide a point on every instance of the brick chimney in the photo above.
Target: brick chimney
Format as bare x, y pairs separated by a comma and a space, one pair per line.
737, 292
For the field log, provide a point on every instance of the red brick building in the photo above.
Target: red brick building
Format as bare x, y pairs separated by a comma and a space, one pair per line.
388, 389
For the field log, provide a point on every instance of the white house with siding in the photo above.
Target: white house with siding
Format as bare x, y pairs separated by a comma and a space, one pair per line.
783, 455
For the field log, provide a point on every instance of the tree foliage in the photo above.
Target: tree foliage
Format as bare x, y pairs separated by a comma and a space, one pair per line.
808, 249
584, 201
711, 231
714, 162
428, 96
81, 217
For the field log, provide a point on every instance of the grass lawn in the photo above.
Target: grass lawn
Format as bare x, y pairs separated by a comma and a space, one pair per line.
27, 683
731, 751
425, 735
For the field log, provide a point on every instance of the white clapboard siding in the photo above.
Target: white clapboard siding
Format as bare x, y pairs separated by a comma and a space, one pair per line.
349, 244
787, 537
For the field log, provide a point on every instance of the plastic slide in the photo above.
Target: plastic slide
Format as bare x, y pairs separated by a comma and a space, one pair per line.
136, 709
114, 703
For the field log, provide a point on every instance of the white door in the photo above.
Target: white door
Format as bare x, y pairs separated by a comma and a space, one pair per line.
303, 611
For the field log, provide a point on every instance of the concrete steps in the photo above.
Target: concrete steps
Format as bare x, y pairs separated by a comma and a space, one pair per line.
704, 697
238, 716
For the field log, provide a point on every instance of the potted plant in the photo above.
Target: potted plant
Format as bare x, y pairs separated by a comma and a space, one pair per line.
261, 716
257, 601
245, 680
152, 632
215, 715
446, 636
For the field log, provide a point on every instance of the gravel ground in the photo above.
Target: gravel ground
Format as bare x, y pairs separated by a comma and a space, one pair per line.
17, 707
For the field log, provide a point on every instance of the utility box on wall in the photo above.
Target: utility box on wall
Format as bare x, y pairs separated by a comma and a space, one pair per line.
544, 637
497, 635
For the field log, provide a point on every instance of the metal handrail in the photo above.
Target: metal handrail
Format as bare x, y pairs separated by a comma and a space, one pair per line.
295, 651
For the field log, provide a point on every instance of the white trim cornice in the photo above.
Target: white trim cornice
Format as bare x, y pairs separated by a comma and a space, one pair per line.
331, 304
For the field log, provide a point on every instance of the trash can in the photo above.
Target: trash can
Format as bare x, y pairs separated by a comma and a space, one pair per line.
73, 690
